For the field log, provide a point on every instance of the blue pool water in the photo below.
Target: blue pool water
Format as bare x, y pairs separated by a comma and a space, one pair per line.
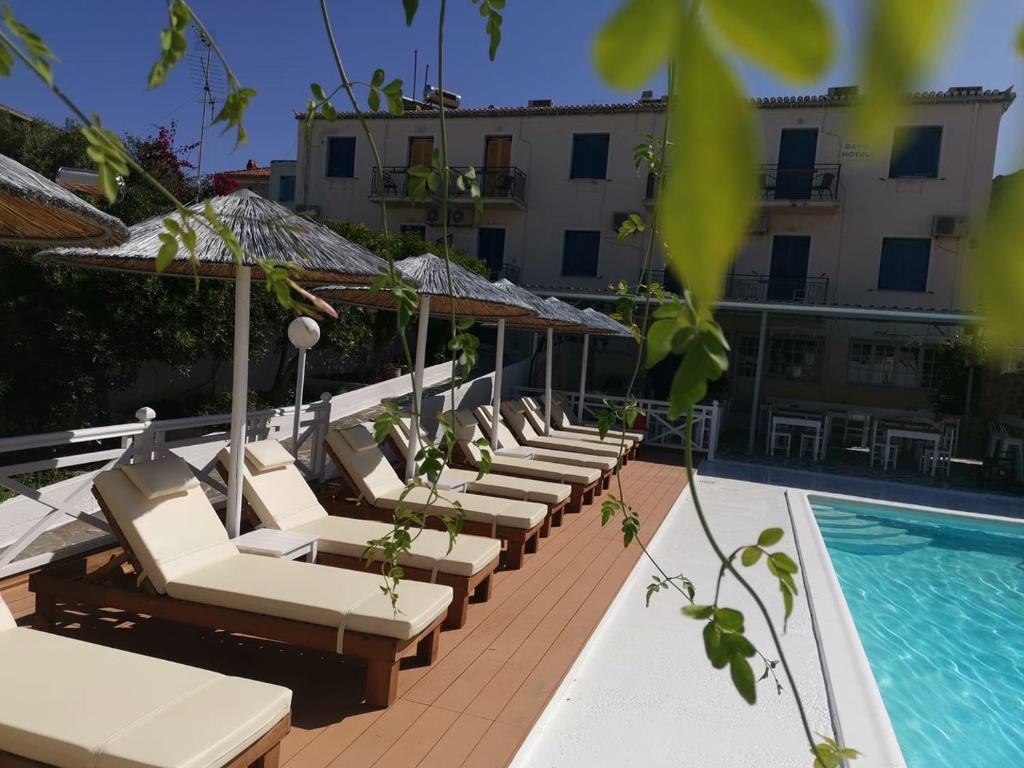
939, 607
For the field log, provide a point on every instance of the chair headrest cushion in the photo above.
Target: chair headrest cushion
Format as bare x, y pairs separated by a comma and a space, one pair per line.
157, 479
266, 456
359, 438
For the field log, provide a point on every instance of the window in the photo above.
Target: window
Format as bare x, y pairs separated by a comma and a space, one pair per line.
589, 156
421, 150
891, 365
794, 357
286, 189
904, 264
490, 247
915, 151
580, 251
414, 229
341, 157
744, 359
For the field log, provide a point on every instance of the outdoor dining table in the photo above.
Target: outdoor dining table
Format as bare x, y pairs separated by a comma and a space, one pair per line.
915, 434
799, 420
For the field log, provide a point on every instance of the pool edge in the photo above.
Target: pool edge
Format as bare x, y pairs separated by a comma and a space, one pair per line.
855, 702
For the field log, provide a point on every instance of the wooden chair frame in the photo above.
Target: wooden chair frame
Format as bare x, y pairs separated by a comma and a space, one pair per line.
382, 654
518, 541
477, 586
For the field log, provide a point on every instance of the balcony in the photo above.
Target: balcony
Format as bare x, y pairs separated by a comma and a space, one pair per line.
805, 188
503, 186
763, 288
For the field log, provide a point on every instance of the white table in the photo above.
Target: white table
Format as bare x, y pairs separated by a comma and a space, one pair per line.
801, 422
912, 434
269, 542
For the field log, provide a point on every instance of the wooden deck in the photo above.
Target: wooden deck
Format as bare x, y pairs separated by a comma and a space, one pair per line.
492, 680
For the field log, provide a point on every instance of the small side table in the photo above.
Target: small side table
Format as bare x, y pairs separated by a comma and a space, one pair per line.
273, 543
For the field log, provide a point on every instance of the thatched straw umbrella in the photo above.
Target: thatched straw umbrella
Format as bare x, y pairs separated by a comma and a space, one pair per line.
470, 296
548, 317
267, 232
36, 212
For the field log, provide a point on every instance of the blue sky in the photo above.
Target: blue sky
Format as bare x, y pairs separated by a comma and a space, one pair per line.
279, 48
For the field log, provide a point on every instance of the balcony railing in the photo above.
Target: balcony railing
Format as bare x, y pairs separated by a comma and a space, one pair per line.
500, 183
754, 287
820, 182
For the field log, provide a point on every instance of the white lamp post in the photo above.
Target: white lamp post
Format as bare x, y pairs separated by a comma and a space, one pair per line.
304, 333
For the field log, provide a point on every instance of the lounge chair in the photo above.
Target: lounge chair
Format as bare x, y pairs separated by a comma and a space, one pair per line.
534, 413
584, 480
380, 491
517, 416
509, 446
276, 494
552, 494
187, 570
68, 703
560, 420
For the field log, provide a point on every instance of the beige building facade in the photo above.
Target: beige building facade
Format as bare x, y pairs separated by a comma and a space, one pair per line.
847, 234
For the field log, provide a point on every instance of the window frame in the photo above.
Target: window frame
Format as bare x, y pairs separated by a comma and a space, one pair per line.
927, 266
280, 180
572, 155
938, 155
597, 260
327, 157
883, 367
504, 242
819, 363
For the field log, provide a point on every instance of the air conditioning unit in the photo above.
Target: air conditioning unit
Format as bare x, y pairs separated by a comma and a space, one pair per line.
433, 216
949, 226
460, 217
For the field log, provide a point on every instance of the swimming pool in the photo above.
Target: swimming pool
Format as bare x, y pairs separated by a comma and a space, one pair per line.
938, 601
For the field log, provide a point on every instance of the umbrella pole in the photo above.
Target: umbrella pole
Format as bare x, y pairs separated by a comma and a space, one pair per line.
239, 398
583, 378
499, 364
547, 381
300, 385
417, 388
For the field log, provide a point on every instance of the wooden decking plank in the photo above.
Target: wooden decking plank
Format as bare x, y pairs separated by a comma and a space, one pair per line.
458, 742
430, 727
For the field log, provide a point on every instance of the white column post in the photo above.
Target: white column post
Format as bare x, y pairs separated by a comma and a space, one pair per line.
239, 400
758, 375
417, 387
713, 436
142, 445
499, 365
583, 378
547, 380
303, 333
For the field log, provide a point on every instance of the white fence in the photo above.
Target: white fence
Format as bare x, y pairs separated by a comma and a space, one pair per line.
660, 430
197, 440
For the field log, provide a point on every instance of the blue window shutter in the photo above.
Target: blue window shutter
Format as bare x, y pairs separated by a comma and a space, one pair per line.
589, 156
580, 252
904, 264
341, 156
915, 151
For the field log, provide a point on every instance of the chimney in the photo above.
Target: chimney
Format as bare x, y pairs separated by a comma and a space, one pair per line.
536, 103
252, 166
647, 96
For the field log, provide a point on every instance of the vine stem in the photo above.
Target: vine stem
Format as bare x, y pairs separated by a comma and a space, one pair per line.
727, 564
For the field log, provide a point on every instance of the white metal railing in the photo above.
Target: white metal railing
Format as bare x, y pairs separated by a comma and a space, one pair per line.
190, 438
659, 429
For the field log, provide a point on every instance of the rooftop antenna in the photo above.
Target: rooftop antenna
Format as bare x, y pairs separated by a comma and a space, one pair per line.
210, 82
415, 70
426, 81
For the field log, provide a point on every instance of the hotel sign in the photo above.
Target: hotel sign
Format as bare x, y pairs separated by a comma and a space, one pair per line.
855, 151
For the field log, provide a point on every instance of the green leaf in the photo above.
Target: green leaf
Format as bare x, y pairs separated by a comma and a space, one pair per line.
636, 41
318, 91
1020, 40
706, 208
410, 7
1000, 270
167, 251
787, 601
729, 619
770, 536
377, 79
698, 611
690, 383
743, 678
717, 653
750, 556
901, 41
373, 99
794, 41
659, 340
6, 61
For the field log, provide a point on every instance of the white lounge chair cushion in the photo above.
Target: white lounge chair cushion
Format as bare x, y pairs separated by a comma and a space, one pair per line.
511, 447
316, 594
534, 427
545, 470
493, 484
281, 498
519, 451
72, 704
347, 536
169, 536
267, 455
488, 510
6, 618
364, 462
162, 477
